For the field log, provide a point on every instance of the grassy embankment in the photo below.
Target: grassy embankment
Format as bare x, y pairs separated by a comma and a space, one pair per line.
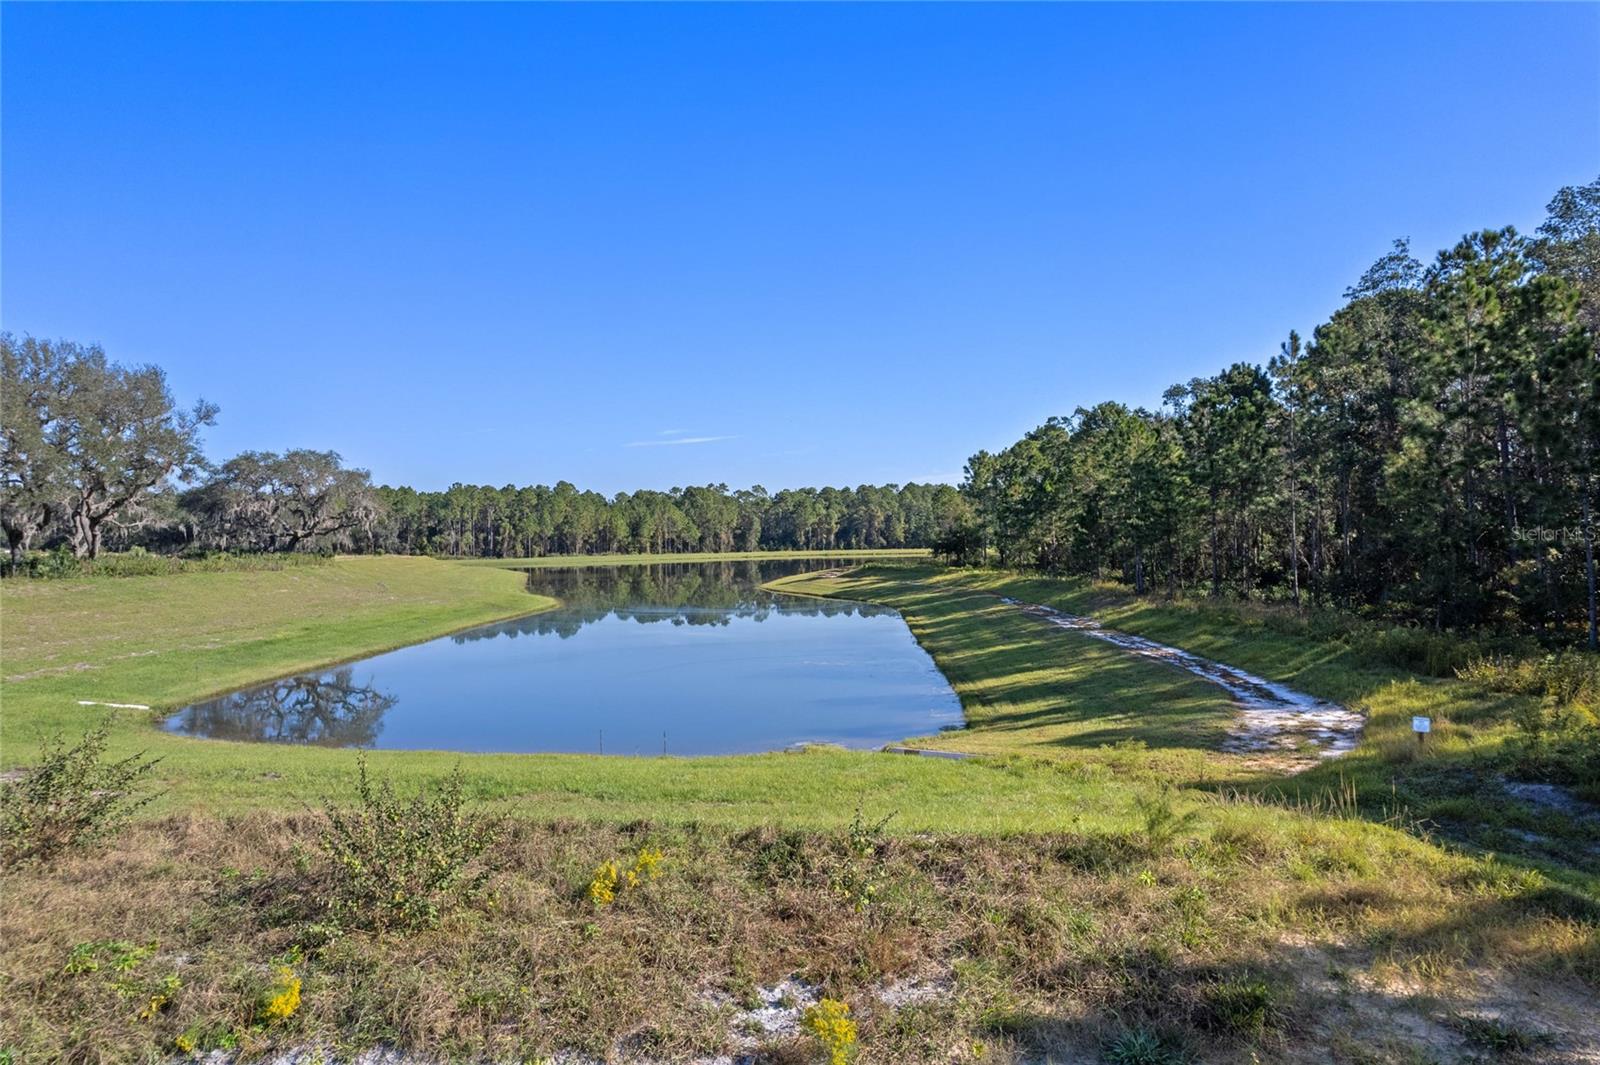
1092, 911
168, 641
1453, 785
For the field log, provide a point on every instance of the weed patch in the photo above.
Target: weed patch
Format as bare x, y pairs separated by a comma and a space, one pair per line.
73, 798
400, 865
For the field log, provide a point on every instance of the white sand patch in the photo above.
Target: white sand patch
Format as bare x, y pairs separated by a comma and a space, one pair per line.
1271, 717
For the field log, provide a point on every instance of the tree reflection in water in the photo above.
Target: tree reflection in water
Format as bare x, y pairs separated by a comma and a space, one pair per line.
683, 593
327, 709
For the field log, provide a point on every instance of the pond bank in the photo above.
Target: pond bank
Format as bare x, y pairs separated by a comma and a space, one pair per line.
1272, 718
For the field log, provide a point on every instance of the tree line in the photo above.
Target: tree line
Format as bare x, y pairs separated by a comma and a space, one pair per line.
1428, 453
484, 521
96, 455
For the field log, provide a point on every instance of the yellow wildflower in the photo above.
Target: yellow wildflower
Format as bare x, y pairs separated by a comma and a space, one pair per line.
829, 1021
611, 877
646, 866
603, 886
160, 997
281, 1002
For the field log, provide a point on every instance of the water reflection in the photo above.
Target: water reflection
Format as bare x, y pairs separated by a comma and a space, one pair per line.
716, 593
735, 668
734, 586
325, 709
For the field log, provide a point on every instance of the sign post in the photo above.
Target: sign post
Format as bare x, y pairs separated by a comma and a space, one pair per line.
1421, 726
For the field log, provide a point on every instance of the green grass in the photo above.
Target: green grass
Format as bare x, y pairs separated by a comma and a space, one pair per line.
1074, 729
1451, 786
1031, 688
165, 642
1036, 696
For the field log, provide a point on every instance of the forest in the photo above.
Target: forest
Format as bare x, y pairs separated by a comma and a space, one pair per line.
1427, 454
96, 456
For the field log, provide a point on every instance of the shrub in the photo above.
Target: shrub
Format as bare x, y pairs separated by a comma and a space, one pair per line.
1496, 1035
60, 563
402, 864
856, 874
1162, 822
829, 1022
1558, 731
1559, 753
783, 858
73, 798
1566, 678
1425, 651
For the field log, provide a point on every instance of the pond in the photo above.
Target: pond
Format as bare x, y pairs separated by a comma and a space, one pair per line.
678, 658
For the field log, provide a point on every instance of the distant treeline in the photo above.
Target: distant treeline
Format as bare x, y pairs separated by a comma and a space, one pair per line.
1429, 454
95, 455
562, 520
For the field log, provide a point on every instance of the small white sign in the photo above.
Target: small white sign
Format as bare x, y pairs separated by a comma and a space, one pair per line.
1422, 724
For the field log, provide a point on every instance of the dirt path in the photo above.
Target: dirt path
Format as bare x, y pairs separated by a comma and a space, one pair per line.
1272, 719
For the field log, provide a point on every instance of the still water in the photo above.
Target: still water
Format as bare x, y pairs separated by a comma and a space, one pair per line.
686, 658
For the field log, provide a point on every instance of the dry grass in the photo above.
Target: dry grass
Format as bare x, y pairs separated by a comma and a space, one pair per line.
1048, 943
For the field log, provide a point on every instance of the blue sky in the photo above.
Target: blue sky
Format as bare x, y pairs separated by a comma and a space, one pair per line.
646, 246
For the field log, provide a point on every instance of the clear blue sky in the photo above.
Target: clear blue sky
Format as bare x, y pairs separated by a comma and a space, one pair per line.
828, 244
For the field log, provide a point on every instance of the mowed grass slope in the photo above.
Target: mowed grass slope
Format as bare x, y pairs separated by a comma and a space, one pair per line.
1029, 687
1036, 697
165, 641
1453, 786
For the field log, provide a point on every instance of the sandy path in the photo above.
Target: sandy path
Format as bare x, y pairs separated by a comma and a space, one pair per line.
1272, 718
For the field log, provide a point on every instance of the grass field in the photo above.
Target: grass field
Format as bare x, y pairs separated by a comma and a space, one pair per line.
1101, 884
165, 642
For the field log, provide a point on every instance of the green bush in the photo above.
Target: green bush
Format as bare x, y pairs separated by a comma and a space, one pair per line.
1570, 677
780, 857
1558, 730
858, 870
59, 563
401, 865
1242, 1005
1425, 651
1497, 1036
1161, 821
73, 798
